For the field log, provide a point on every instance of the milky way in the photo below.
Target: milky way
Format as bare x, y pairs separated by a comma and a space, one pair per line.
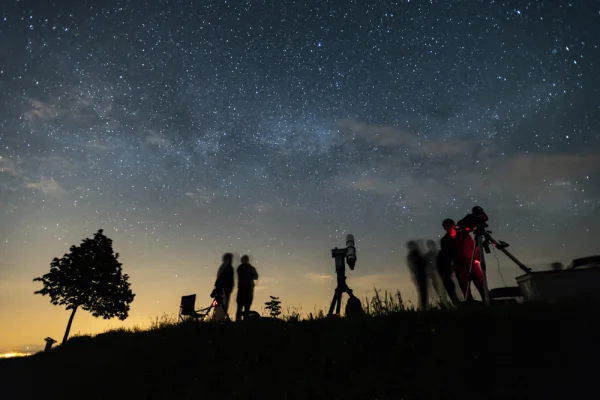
186, 129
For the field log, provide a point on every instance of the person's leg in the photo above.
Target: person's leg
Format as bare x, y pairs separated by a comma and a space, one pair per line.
422, 286
226, 299
238, 314
450, 287
438, 286
247, 306
462, 276
477, 277
446, 275
414, 279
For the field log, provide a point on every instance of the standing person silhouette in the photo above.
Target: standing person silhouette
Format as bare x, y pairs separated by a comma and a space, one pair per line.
246, 276
444, 267
434, 276
418, 268
457, 248
224, 283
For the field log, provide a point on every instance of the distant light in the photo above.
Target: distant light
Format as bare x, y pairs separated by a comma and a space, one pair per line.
14, 354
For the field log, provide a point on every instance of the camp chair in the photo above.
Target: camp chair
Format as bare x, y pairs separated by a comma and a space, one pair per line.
188, 308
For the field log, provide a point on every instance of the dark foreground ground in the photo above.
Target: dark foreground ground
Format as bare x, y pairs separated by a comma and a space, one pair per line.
529, 352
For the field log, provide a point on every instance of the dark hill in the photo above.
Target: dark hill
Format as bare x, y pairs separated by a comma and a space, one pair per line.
530, 351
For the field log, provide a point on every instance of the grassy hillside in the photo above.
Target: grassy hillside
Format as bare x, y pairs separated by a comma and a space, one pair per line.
528, 351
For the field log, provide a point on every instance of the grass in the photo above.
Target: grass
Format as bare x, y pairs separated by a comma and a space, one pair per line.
520, 351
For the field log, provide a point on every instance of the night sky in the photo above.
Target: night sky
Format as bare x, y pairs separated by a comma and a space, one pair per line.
185, 129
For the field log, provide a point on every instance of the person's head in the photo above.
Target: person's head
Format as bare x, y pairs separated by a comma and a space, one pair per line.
449, 226
412, 245
227, 258
245, 259
431, 245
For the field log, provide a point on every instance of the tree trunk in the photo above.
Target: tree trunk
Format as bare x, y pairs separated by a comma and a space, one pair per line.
69, 325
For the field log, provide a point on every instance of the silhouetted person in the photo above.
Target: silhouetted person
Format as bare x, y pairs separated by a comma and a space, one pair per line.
246, 276
224, 282
434, 278
444, 267
457, 248
418, 268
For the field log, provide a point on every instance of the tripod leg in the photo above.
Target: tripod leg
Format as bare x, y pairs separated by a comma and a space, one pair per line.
336, 302
502, 248
333, 303
486, 291
467, 289
339, 304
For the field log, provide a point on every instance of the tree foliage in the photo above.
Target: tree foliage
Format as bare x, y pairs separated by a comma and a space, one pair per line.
90, 277
274, 306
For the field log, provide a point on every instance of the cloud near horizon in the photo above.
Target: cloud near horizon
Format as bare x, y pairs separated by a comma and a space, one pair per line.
47, 186
23, 177
10, 167
420, 171
398, 138
266, 282
43, 111
318, 278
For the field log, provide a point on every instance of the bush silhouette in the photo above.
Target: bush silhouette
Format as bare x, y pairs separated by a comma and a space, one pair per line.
90, 277
274, 307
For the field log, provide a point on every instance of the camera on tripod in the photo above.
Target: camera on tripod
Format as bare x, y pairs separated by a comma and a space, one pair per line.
476, 222
343, 257
350, 251
477, 219
349, 254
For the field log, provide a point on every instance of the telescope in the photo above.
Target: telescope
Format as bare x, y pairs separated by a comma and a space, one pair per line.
350, 251
476, 219
476, 222
343, 257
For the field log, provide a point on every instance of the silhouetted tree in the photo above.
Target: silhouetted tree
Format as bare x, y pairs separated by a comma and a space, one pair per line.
274, 306
90, 277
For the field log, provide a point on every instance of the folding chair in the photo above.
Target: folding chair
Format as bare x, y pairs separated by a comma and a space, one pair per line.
188, 308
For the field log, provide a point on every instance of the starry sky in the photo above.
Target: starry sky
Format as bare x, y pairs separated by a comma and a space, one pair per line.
186, 129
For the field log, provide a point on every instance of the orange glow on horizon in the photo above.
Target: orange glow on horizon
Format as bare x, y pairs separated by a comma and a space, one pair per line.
306, 284
14, 355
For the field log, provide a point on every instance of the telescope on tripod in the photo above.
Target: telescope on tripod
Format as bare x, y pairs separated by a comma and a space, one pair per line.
343, 256
476, 222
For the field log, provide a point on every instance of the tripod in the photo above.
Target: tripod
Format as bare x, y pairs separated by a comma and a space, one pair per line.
483, 238
342, 287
